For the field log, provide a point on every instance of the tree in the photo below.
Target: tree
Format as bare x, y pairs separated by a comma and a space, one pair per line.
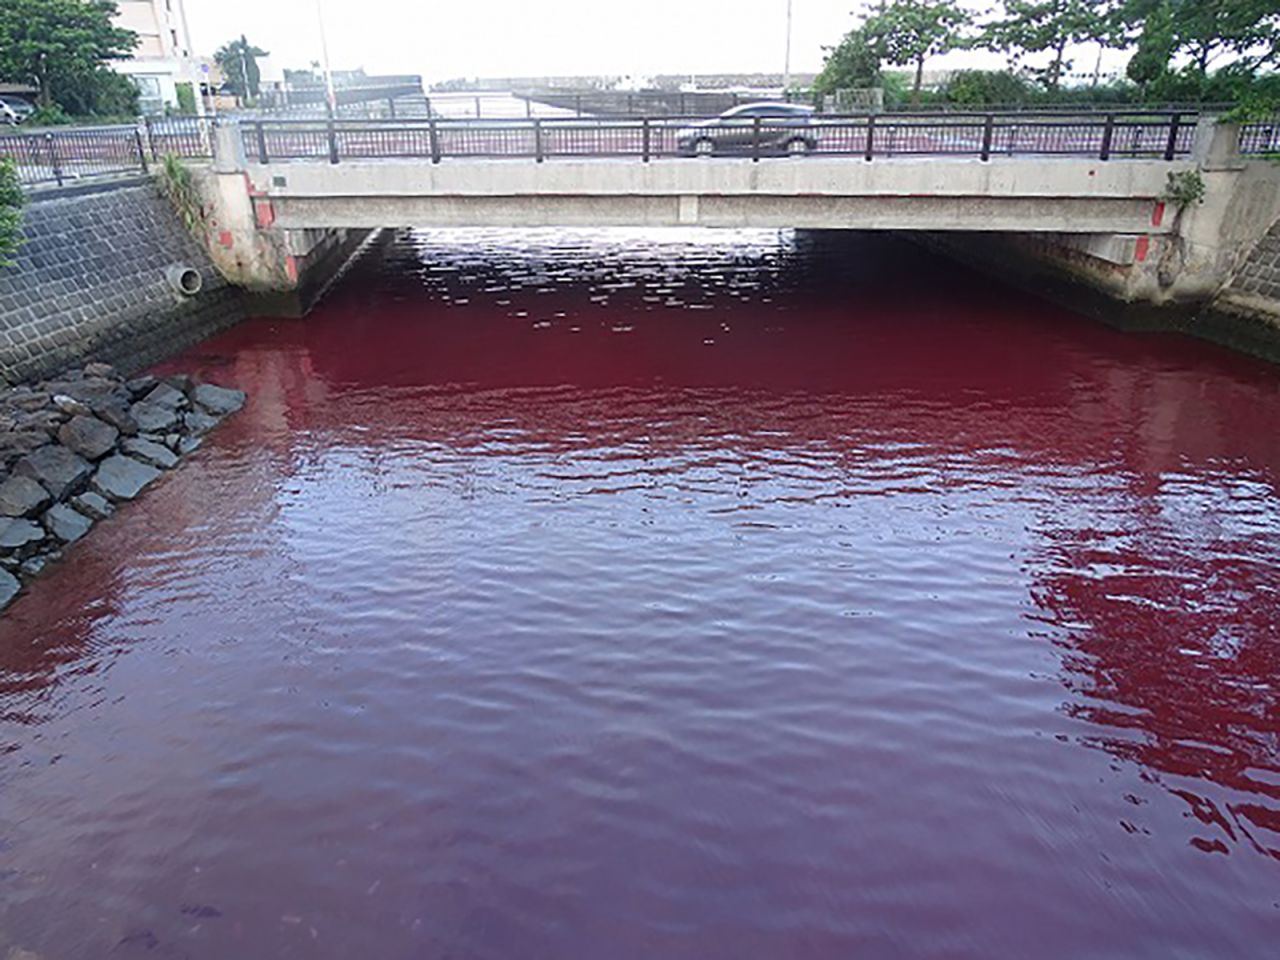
60, 45
11, 200
1204, 31
910, 31
239, 63
1049, 26
1156, 44
853, 64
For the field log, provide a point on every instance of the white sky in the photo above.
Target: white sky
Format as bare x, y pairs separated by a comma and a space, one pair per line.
450, 38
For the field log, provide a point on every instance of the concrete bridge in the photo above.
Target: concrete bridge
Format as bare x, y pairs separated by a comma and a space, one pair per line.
1093, 189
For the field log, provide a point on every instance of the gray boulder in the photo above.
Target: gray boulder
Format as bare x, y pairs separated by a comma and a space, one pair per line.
189, 445
167, 395
197, 421
116, 413
57, 469
9, 587
152, 453
218, 400
94, 505
89, 437
19, 536
139, 387
122, 478
98, 369
66, 524
71, 406
153, 417
22, 497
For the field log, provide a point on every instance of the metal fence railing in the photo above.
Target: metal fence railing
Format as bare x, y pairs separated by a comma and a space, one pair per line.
1262, 137
985, 136
68, 154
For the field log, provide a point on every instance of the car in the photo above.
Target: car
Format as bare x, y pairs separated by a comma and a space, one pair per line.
15, 110
784, 128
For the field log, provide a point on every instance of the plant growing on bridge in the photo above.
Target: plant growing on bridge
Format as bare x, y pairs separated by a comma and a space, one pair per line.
177, 183
1183, 189
11, 203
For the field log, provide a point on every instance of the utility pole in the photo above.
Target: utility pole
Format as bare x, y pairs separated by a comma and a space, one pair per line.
324, 53
786, 68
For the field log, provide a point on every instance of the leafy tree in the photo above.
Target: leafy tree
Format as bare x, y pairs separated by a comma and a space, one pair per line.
239, 62
910, 31
1156, 45
1204, 31
855, 63
60, 45
1049, 26
11, 200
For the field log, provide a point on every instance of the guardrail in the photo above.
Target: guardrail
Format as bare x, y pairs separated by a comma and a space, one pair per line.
984, 136
1260, 138
68, 154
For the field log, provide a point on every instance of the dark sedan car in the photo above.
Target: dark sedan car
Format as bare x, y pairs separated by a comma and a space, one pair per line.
784, 128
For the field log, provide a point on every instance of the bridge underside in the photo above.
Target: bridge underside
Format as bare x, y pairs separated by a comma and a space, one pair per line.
1025, 196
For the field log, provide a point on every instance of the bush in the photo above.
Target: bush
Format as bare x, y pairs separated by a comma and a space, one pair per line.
11, 201
983, 87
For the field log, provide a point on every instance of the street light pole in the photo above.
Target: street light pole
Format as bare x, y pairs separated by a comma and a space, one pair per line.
324, 53
786, 70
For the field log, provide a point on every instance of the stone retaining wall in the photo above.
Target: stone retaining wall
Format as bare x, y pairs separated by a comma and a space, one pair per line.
89, 283
74, 447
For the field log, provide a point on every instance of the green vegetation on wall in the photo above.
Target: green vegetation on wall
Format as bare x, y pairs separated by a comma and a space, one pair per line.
11, 203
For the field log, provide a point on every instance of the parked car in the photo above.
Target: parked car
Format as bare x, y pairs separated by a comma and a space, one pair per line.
15, 110
785, 128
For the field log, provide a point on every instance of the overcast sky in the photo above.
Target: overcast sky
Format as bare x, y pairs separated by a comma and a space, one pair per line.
451, 38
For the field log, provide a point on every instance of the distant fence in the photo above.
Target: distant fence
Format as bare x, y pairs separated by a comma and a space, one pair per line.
984, 136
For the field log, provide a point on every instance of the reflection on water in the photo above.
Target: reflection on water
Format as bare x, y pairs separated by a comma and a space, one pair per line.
675, 593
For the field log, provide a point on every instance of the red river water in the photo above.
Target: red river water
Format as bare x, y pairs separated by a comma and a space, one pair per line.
622, 594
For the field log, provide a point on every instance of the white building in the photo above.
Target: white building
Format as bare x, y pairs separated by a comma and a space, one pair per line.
163, 56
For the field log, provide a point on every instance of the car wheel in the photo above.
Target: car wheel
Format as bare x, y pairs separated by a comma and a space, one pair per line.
704, 148
798, 147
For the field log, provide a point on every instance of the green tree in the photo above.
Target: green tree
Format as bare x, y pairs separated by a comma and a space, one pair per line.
1156, 45
853, 64
910, 31
1049, 26
11, 201
60, 45
239, 62
1204, 31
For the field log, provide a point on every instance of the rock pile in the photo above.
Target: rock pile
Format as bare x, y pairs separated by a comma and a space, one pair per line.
74, 447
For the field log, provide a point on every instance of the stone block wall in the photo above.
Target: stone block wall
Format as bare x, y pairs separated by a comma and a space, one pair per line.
90, 284
1260, 274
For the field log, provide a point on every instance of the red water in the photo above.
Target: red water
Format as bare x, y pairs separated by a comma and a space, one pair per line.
668, 595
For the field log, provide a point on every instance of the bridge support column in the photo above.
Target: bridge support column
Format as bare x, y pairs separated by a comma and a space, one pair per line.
284, 271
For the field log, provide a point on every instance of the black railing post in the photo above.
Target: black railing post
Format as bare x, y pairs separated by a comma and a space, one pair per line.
1171, 148
755, 139
477, 99
391, 106
537, 140
151, 140
988, 131
1108, 132
577, 104
333, 142
142, 150
52, 149
631, 103
871, 136
262, 141
645, 139
434, 136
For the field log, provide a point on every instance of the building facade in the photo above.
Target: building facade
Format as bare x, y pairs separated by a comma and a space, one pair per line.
163, 58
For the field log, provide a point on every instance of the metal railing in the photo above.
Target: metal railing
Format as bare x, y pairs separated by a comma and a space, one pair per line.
1135, 135
64, 155
1262, 137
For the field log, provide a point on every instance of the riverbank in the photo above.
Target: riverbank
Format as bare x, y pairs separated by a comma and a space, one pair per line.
75, 447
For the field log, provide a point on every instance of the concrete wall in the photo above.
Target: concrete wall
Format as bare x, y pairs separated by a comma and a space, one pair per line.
89, 283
